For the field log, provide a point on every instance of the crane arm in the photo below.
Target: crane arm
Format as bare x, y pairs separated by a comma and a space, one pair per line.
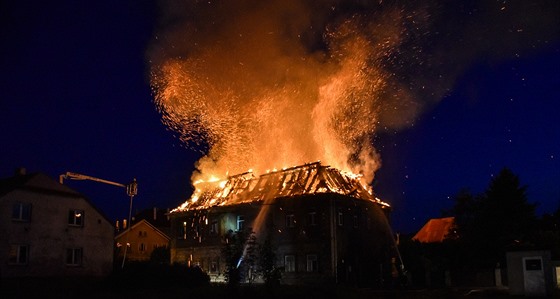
131, 189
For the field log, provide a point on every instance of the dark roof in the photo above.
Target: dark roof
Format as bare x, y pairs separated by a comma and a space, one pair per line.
161, 232
36, 183
41, 183
10, 184
435, 230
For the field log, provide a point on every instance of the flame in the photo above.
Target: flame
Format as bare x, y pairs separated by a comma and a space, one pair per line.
256, 95
284, 82
310, 178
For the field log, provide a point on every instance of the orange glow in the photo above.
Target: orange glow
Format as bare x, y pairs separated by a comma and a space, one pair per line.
311, 178
251, 92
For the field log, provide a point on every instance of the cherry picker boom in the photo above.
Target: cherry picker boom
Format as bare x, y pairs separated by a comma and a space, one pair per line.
131, 190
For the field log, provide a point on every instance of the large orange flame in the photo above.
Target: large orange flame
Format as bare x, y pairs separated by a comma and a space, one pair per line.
253, 89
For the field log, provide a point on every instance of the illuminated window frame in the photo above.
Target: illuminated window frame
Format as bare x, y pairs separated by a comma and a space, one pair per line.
76, 217
19, 254
74, 257
290, 221
312, 263
312, 218
240, 222
340, 219
21, 212
290, 263
214, 227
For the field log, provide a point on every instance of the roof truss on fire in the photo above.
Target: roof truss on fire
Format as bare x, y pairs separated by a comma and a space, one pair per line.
311, 178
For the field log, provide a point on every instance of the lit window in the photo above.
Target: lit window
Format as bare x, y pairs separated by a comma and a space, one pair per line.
21, 211
340, 219
289, 263
184, 230
290, 220
74, 256
240, 223
19, 255
312, 219
312, 265
76, 217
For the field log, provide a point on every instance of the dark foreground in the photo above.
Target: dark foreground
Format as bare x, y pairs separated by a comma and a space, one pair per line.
103, 288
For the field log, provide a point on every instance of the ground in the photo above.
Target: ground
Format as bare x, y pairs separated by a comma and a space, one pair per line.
107, 288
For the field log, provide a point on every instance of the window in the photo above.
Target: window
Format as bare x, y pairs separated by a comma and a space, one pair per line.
368, 223
312, 265
240, 223
142, 247
290, 220
74, 256
19, 255
312, 219
340, 219
213, 266
21, 211
289, 263
76, 217
214, 227
355, 221
184, 230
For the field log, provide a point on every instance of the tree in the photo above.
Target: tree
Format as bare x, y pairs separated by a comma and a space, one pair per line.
240, 258
160, 256
494, 222
267, 264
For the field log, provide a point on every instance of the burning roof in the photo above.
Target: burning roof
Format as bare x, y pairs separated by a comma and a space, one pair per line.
311, 178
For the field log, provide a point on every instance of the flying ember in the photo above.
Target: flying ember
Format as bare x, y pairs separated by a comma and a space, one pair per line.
271, 85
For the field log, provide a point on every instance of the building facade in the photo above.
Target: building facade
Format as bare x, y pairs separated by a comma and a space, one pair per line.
322, 229
141, 240
48, 229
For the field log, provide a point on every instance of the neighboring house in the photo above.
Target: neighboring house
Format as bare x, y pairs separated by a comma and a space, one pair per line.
323, 225
142, 238
48, 229
435, 230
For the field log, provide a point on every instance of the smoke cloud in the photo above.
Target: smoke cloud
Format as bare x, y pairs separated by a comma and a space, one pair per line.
263, 84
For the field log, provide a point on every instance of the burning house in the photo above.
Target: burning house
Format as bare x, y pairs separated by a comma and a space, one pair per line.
324, 226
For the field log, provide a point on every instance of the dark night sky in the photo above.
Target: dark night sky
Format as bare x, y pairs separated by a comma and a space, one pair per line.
75, 96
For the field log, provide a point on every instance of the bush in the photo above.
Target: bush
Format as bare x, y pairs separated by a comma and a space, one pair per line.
149, 275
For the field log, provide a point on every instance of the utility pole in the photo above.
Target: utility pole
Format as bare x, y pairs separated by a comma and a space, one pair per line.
131, 190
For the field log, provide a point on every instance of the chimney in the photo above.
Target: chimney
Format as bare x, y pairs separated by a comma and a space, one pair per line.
20, 171
155, 213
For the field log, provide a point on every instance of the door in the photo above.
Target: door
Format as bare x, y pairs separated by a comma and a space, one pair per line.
533, 276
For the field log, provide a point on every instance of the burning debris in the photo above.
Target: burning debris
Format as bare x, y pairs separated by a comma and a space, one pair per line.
284, 82
311, 178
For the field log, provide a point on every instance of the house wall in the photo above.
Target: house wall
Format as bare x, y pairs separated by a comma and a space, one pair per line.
49, 235
141, 236
357, 250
